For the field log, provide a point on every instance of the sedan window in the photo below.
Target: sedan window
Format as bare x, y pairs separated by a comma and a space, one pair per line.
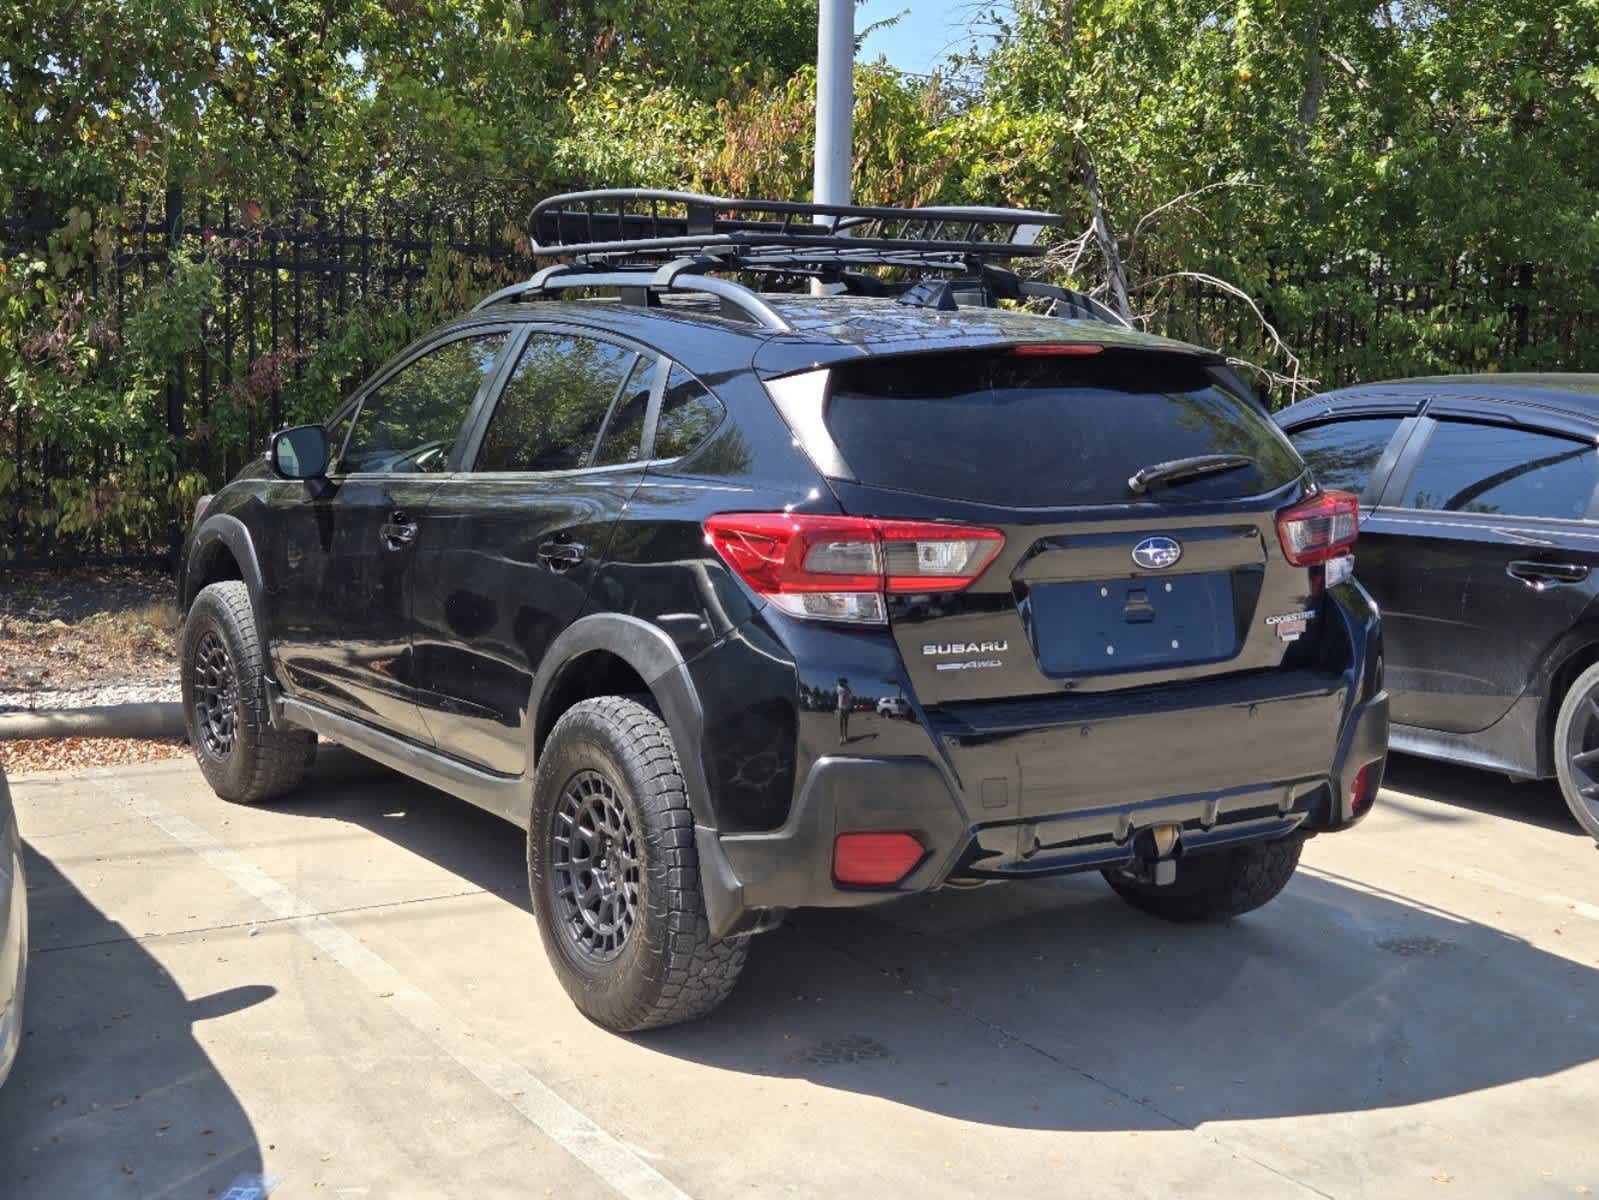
1497, 469
1343, 454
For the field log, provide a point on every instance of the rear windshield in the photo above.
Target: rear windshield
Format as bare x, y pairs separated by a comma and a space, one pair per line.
1037, 431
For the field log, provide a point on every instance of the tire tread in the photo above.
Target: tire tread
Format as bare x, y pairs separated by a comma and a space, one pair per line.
696, 971
276, 758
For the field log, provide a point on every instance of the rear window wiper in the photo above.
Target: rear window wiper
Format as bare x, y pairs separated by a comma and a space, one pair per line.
1180, 469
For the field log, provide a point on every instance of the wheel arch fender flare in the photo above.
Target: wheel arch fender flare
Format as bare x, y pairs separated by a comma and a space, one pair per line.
652, 653
225, 533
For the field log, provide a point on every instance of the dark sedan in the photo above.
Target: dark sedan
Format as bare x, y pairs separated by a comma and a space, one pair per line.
1479, 538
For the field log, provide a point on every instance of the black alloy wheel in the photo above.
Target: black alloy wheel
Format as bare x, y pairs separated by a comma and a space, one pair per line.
594, 866
1577, 750
216, 696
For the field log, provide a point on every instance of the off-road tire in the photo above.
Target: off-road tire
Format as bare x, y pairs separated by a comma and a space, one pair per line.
1577, 732
667, 969
262, 762
1216, 887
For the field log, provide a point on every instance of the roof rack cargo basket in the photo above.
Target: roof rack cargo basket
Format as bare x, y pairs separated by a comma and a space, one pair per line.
619, 225
645, 242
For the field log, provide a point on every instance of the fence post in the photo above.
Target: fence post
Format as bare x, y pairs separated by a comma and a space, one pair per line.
176, 377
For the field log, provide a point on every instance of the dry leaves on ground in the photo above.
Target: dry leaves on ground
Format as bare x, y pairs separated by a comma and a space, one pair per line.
77, 753
71, 628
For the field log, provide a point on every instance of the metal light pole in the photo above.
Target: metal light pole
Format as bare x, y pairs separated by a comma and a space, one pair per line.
835, 102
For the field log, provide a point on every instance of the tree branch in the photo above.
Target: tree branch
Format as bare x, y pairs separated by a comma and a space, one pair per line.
1295, 381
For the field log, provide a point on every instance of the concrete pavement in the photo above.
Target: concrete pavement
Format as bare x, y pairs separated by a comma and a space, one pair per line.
343, 995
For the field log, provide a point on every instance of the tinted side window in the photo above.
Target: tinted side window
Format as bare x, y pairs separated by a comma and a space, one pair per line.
554, 403
1342, 454
1493, 469
624, 433
689, 415
410, 422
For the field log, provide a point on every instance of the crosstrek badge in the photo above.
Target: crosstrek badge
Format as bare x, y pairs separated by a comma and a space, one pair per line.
1289, 626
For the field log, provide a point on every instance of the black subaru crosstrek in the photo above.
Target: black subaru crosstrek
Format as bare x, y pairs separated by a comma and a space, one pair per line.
742, 602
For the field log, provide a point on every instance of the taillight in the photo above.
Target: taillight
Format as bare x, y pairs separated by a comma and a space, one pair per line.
875, 859
841, 568
200, 505
1322, 528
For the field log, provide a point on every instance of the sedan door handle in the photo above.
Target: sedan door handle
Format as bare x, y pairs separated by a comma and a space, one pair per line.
1540, 576
560, 555
398, 532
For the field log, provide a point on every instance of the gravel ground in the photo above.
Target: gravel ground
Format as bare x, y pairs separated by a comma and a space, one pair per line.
86, 637
146, 691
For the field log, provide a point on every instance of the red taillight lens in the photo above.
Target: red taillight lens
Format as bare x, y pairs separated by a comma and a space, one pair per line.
840, 568
875, 859
1323, 527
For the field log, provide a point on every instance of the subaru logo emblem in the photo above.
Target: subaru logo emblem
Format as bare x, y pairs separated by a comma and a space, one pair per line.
1157, 553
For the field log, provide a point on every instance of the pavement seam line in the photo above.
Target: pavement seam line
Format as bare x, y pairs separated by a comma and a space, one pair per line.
615, 1163
144, 938
1002, 1031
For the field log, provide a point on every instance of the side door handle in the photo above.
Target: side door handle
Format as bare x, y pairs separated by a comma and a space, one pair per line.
399, 531
1540, 576
560, 555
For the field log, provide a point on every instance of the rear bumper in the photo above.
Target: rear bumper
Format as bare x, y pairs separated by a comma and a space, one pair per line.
791, 867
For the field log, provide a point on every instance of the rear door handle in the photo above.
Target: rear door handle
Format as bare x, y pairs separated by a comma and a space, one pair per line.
399, 531
560, 555
1540, 576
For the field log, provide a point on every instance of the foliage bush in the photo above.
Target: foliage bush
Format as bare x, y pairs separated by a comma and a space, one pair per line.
1395, 186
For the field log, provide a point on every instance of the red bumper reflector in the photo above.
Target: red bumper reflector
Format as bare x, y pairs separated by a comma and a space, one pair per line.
875, 859
1364, 790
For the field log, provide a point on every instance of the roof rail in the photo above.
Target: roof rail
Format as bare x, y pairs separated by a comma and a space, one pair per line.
640, 285
646, 242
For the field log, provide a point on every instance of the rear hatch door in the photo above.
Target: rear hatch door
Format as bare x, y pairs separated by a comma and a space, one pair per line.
1100, 585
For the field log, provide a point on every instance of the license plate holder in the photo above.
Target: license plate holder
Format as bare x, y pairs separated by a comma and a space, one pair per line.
1140, 623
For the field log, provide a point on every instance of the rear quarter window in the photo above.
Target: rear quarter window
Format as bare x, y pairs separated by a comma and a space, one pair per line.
1040, 431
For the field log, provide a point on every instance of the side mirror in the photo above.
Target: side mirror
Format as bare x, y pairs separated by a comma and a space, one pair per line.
300, 452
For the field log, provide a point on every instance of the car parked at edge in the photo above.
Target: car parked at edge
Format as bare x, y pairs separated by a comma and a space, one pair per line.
738, 603
13, 931
1479, 540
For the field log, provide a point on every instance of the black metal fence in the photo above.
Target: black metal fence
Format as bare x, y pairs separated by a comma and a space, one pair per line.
289, 283
286, 285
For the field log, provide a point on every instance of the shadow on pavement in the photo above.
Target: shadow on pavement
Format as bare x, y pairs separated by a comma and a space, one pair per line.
1533, 801
1013, 1004
112, 1095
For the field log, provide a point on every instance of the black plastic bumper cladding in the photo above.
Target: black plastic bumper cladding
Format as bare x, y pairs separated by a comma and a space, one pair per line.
1318, 755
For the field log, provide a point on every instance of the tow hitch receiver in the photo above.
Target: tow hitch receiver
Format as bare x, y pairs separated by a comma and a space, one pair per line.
1164, 838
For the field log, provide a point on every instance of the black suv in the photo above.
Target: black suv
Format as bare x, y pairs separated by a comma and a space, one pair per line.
743, 602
